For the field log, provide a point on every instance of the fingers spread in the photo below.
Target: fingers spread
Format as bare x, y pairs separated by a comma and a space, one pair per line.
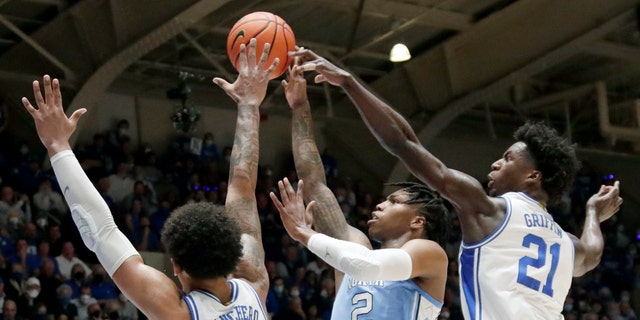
28, 105
265, 55
37, 94
57, 96
48, 91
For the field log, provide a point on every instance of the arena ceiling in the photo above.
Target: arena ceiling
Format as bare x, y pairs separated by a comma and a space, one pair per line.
490, 64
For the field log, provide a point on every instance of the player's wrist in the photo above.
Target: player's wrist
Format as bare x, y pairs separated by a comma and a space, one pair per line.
54, 148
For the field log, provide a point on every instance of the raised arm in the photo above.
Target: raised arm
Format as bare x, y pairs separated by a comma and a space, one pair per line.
396, 135
358, 261
248, 91
91, 214
328, 215
588, 248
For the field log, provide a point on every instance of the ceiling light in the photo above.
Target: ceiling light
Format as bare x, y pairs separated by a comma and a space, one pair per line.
399, 53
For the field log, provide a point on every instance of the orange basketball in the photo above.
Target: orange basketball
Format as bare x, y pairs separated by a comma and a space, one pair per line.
266, 27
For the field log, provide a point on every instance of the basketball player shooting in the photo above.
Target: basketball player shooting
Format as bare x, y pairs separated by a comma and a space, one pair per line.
204, 241
407, 277
515, 261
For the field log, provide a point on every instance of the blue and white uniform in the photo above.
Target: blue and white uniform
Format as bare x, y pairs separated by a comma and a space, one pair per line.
398, 300
244, 305
522, 270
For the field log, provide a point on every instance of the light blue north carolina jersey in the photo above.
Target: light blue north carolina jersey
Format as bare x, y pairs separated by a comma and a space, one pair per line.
522, 270
398, 300
245, 304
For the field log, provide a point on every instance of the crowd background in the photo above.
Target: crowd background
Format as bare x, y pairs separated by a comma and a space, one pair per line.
46, 272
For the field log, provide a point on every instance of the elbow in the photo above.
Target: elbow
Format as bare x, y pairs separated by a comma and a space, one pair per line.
592, 261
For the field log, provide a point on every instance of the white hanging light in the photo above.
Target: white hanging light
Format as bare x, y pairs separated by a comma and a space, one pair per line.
399, 53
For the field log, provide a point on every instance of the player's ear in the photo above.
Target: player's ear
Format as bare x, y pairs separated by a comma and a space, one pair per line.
535, 175
176, 268
418, 222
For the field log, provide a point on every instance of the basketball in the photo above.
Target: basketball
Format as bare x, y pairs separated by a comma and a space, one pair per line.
266, 27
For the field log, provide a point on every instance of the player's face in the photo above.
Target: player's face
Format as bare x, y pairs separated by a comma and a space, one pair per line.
510, 172
392, 218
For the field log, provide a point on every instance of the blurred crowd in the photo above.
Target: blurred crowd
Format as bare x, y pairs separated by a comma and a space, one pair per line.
46, 272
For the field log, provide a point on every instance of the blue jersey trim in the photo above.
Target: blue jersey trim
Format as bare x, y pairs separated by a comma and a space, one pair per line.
192, 307
469, 258
255, 293
495, 233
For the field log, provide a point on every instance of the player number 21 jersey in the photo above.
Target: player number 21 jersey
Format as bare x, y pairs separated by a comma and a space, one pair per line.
522, 270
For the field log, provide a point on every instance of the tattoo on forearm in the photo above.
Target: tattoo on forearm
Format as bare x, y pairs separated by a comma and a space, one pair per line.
308, 162
244, 155
328, 217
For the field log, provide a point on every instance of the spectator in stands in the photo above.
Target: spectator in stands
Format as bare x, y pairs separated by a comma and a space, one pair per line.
67, 259
49, 283
120, 183
84, 301
48, 204
209, 151
77, 280
102, 287
30, 301
10, 201
10, 311
63, 305
34, 261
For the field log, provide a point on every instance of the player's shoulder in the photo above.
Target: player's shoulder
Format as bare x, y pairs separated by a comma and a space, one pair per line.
426, 247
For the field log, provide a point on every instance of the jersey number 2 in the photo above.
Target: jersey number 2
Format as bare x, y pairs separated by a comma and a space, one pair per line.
366, 308
539, 262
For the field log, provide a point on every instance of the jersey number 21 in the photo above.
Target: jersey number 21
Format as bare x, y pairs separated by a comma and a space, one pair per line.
543, 255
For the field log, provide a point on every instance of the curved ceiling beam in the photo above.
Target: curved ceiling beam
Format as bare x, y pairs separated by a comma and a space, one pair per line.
97, 84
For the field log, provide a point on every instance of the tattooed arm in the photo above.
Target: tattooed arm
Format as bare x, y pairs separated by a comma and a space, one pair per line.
327, 214
248, 91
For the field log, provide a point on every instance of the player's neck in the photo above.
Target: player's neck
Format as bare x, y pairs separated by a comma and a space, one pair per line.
540, 196
218, 287
397, 242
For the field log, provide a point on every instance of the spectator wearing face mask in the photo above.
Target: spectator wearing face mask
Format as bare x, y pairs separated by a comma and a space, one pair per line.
67, 259
277, 298
48, 204
94, 312
84, 301
102, 286
118, 136
12, 202
15, 285
63, 304
77, 280
30, 301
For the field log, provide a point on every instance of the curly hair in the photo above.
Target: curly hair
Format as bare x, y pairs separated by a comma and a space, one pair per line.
431, 206
552, 155
203, 240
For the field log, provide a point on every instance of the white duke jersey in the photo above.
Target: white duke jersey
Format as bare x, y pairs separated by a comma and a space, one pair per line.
375, 300
522, 270
244, 305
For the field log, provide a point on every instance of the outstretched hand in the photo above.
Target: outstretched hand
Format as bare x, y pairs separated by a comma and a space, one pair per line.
326, 70
251, 85
295, 87
607, 201
295, 217
52, 124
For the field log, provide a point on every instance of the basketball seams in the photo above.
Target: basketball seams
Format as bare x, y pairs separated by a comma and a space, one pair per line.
259, 26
